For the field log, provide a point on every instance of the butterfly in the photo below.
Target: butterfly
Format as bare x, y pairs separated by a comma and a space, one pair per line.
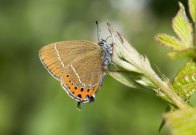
79, 65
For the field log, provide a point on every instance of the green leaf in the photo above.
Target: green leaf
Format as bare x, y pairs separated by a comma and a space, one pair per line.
124, 78
182, 54
145, 82
170, 41
185, 81
192, 9
182, 122
183, 28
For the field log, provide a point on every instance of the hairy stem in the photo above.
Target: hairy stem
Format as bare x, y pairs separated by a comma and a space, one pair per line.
167, 89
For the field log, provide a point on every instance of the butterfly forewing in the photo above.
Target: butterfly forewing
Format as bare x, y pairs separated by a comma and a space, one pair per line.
56, 56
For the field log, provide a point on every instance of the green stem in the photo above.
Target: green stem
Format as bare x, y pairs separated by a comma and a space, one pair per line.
167, 89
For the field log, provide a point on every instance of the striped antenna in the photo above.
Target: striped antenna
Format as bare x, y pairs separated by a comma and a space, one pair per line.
98, 32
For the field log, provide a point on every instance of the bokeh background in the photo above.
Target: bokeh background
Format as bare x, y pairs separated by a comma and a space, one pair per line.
33, 103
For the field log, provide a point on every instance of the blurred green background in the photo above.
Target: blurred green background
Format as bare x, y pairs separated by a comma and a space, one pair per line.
33, 103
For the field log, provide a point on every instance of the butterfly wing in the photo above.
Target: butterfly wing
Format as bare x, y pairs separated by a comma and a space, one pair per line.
83, 76
56, 56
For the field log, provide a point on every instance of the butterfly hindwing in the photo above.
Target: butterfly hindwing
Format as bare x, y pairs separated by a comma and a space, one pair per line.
83, 76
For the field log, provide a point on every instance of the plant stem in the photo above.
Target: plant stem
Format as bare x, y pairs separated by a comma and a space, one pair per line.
124, 52
167, 89
144, 67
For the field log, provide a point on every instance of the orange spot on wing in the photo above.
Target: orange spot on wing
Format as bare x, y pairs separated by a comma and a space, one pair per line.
84, 94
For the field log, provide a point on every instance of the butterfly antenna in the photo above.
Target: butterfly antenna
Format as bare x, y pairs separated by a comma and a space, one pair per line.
98, 31
108, 38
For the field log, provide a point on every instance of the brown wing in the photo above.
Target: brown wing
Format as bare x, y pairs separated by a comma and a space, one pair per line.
83, 76
56, 56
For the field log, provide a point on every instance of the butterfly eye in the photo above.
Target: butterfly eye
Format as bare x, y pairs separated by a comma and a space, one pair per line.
102, 42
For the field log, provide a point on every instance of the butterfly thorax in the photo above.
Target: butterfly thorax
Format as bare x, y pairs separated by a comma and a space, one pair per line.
106, 53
